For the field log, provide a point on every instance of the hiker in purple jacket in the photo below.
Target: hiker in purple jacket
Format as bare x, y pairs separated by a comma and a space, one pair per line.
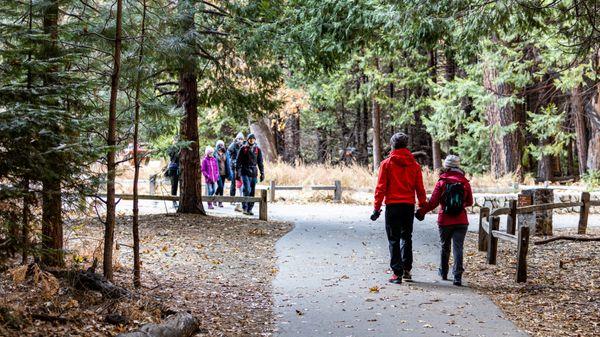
210, 171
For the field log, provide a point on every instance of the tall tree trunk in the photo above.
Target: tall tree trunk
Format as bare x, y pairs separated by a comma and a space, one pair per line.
265, 138
505, 153
25, 222
109, 232
581, 140
136, 160
593, 156
190, 199
376, 118
52, 235
436, 151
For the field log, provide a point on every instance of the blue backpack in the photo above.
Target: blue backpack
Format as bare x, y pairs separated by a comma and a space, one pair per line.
454, 195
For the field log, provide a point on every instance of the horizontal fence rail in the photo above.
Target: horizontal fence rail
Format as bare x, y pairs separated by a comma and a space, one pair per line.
261, 200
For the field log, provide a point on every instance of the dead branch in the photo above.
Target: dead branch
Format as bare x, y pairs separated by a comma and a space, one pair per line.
567, 237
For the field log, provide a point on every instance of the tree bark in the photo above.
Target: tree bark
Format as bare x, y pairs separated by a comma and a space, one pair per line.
578, 112
436, 151
109, 232
593, 155
52, 234
376, 119
190, 199
136, 160
505, 153
266, 139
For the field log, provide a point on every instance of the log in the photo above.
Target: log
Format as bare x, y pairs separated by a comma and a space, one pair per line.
505, 236
181, 324
89, 280
567, 237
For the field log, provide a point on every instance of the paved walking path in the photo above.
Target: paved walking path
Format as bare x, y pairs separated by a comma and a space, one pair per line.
332, 281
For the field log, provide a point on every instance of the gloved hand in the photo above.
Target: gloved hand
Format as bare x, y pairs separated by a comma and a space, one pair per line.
375, 215
420, 214
262, 177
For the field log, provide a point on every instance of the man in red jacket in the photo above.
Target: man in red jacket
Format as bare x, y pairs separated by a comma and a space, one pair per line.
399, 180
452, 188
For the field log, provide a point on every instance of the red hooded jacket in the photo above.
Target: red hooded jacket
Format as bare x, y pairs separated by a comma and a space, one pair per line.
399, 179
453, 176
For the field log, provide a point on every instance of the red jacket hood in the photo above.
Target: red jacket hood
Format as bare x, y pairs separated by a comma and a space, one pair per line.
402, 157
454, 176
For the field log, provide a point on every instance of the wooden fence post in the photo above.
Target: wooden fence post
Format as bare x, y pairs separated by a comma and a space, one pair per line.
262, 210
272, 190
337, 197
511, 221
522, 247
482, 243
584, 213
492, 248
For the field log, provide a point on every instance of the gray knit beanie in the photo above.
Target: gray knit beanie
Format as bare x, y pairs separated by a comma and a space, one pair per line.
240, 136
399, 140
452, 161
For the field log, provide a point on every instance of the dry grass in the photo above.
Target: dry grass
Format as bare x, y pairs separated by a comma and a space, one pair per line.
356, 177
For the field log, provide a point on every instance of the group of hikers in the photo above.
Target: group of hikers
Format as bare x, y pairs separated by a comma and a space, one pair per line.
399, 181
241, 163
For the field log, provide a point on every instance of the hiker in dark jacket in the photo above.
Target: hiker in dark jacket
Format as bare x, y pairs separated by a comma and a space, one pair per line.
400, 179
232, 151
173, 169
248, 164
453, 193
224, 168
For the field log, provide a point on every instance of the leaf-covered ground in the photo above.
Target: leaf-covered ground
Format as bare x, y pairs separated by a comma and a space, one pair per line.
220, 269
562, 294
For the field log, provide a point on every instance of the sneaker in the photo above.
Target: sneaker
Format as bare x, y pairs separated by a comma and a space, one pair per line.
395, 279
249, 213
238, 208
443, 275
457, 283
407, 275
220, 204
210, 206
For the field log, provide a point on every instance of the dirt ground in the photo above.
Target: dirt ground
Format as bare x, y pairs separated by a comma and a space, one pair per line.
562, 293
219, 269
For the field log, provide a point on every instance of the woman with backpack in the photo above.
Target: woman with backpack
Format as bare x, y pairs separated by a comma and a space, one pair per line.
453, 193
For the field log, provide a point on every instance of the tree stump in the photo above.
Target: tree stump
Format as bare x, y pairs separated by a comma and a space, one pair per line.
539, 223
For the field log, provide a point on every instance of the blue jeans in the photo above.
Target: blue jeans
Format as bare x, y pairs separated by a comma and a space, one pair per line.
249, 189
455, 235
212, 187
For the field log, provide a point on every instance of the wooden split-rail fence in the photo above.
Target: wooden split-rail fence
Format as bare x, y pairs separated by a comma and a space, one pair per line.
336, 188
490, 233
261, 200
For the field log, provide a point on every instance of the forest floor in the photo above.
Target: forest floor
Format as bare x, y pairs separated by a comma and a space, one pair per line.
219, 269
562, 293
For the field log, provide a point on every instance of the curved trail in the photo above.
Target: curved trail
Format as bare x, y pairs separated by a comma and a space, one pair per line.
332, 281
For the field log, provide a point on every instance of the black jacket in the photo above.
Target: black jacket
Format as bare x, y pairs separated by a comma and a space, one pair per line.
233, 150
248, 159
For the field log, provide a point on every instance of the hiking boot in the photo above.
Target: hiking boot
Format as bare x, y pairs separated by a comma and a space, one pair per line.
443, 275
248, 213
210, 205
457, 283
220, 204
407, 275
238, 208
395, 279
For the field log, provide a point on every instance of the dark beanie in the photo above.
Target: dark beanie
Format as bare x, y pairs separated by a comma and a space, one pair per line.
399, 140
251, 136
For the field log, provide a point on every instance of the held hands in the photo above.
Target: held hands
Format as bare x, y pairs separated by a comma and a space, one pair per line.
420, 214
262, 177
375, 215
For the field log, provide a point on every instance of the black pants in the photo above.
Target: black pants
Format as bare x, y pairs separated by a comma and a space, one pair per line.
455, 235
174, 173
399, 226
232, 188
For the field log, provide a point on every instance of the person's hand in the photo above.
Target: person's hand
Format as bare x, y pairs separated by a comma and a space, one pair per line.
375, 215
420, 214
262, 177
